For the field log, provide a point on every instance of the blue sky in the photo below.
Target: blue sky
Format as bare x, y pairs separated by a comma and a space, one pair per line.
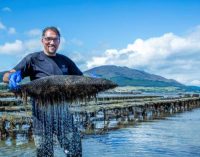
158, 36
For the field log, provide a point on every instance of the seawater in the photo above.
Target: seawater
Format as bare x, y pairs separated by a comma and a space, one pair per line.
177, 136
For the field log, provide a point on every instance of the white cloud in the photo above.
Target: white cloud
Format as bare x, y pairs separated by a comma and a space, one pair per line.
11, 30
195, 82
76, 42
6, 9
21, 47
12, 48
2, 26
26, 46
32, 45
34, 32
169, 55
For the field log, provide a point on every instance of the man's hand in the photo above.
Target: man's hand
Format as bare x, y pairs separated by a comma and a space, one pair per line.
14, 79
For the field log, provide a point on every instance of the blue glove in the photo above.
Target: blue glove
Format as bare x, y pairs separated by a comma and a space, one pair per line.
14, 79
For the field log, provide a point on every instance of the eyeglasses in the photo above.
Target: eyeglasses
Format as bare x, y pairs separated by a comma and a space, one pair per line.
49, 39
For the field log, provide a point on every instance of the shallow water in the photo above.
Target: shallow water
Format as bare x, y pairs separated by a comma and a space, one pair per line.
177, 135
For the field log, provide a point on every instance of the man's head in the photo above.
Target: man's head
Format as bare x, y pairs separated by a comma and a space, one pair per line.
50, 40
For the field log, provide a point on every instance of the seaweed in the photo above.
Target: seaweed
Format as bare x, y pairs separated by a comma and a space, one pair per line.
61, 88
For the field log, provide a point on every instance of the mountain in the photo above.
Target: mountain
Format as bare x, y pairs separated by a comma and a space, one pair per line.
125, 76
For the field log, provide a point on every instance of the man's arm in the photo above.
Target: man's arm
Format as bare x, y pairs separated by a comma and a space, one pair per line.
7, 74
73, 69
22, 66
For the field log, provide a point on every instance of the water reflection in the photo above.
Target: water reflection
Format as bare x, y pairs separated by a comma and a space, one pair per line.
177, 136
22, 146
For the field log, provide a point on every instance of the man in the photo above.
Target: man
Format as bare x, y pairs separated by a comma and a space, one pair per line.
38, 65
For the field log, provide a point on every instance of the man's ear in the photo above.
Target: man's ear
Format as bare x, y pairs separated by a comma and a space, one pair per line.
42, 40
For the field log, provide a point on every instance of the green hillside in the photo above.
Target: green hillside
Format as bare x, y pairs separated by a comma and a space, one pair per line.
123, 81
124, 76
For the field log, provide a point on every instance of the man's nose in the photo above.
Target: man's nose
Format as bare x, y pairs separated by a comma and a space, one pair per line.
52, 41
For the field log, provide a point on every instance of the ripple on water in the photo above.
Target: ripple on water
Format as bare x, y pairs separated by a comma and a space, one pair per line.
177, 136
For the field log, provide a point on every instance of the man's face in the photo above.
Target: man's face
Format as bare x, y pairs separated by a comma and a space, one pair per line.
51, 42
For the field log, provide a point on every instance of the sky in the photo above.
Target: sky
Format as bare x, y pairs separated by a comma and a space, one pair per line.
160, 37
